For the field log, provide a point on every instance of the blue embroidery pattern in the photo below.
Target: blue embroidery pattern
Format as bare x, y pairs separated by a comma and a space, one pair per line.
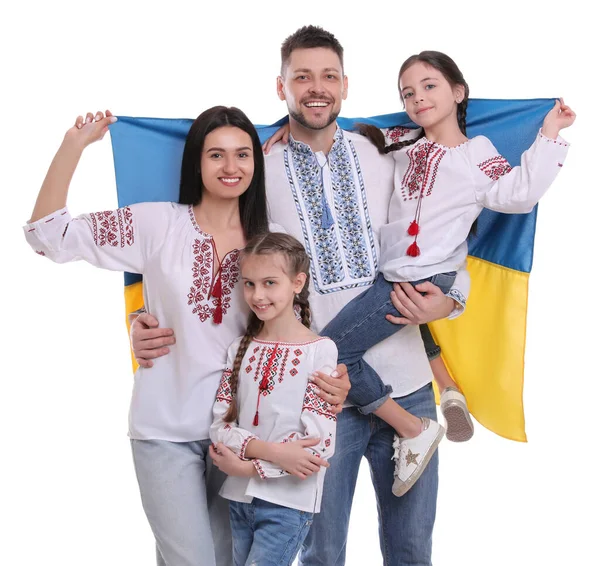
346, 248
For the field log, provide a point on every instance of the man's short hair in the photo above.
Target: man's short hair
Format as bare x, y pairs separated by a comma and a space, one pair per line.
308, 37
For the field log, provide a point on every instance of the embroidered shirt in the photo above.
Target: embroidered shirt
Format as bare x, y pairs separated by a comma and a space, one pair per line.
456, 184
273, 385
172, 400
342, 201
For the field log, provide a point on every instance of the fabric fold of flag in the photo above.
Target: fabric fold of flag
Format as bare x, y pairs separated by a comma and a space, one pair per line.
484, 348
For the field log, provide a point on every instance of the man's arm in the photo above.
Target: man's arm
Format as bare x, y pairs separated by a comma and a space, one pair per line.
148, 341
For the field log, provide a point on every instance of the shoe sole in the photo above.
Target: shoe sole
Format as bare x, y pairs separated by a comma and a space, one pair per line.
459, 427
400, 488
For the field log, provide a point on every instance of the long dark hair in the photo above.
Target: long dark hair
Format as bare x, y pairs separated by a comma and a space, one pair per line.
450, 71
297, 261
253, 202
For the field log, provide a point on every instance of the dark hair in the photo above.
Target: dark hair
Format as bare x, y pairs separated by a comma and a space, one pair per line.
451, 73
308, 37
253, 202
297, 261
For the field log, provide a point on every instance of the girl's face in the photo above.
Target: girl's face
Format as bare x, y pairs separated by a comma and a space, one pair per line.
227, 163
428, 97
268, 288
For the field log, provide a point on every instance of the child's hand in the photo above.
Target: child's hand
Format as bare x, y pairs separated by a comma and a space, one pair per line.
83, 133
561, 116
229, 463
294, 459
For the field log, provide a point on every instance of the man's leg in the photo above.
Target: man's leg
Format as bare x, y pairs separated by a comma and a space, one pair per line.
406, 522
325, 544
171, 477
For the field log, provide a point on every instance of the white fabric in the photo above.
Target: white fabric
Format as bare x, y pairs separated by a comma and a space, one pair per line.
364, 177
172, 400
457, 183
288, 410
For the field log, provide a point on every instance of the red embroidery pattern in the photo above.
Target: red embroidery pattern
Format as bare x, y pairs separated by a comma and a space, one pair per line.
202, 273
495, 167
113, 227
224, 391
422, 169
314, 403
259, 469
395, 134
244, 445
39, 253
267, 370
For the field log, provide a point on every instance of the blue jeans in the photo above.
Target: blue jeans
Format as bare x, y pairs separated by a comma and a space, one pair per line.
359, 326
405, 523
266, 534
179, 486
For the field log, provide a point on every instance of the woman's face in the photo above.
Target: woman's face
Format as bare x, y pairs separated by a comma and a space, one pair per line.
227, 163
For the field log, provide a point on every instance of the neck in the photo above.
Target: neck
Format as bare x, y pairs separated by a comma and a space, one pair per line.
214, 215
317, 140
284, 328
446, 133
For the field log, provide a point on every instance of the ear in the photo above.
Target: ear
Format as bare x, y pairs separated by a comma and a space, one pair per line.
345, 91
459, 93
280, 89
299, 282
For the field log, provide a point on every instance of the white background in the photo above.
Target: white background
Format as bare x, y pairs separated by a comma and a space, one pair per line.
68, 492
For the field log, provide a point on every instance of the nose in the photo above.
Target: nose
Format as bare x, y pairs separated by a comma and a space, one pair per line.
229, 164
317, 87
258, 293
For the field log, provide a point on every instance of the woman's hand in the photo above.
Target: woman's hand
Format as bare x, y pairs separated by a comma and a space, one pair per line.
148, 341
229, 463
92, 129
282, 134
561, 116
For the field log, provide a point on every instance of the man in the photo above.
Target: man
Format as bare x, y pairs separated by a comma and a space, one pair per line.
331, 190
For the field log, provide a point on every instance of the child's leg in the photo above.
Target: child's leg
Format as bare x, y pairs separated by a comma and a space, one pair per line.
278, 533
453, 404
358, 326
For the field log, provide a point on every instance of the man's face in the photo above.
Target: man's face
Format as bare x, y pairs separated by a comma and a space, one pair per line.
313, 85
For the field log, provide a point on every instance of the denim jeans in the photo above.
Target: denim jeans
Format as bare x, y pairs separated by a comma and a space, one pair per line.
179, 486
359, 326
266, 534
405, 523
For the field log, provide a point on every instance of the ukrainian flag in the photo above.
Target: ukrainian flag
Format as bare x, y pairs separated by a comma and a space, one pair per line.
484, 348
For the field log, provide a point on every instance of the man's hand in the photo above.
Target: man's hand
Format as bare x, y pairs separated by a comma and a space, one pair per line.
229, 463
333, 388
416, 308
148, 341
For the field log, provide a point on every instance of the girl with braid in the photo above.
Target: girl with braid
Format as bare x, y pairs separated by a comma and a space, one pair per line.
443, 180
266, 400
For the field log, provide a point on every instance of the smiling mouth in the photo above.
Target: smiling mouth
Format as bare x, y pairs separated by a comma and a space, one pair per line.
317, 104
424, 109
230, 180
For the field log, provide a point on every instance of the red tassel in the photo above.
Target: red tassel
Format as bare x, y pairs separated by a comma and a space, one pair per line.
218, 314
255, 421
216, 290
413, 229
413, 250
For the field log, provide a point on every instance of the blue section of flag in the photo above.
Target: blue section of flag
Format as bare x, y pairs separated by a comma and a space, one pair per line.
147, 155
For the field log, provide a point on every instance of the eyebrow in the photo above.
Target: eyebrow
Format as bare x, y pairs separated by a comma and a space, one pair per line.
262, 278
326, 70
422, 81
224, 150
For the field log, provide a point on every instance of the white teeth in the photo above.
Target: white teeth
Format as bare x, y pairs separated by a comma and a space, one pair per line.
230, 180
317, 104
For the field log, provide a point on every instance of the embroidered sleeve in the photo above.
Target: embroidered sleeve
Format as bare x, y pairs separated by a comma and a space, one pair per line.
518, 189
229, 433
460, 291
399, 133
118, 240
317, 416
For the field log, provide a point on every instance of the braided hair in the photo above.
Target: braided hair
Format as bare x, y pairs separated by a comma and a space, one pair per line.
297, 261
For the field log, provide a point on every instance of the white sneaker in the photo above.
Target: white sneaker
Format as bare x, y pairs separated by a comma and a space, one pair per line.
413, 454
458, 420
